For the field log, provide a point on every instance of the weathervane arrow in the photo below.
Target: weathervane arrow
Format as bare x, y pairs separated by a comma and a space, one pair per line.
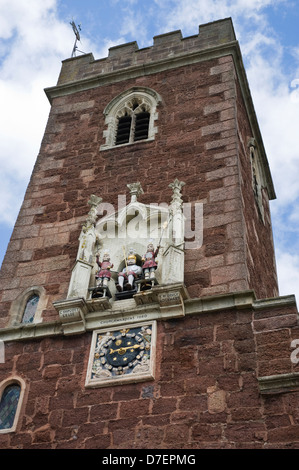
75, 29
77, 35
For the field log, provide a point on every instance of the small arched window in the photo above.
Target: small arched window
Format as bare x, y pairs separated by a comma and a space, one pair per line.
30, 309
9, 405
131, 116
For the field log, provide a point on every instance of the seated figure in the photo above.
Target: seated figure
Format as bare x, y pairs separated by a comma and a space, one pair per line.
126, 278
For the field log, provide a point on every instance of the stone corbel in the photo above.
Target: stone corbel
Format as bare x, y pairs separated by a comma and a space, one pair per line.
169, 299
72, 315
98, 304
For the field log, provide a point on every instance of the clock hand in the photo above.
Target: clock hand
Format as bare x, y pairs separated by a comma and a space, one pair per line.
135, 346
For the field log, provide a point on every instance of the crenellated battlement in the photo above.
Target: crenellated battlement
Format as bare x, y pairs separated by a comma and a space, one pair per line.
165, 47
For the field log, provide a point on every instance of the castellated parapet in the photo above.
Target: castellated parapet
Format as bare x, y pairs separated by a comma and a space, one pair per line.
165, 46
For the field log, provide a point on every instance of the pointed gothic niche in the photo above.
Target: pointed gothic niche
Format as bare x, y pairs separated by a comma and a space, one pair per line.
129, 250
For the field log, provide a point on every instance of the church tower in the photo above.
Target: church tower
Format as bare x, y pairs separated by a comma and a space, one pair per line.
139, 305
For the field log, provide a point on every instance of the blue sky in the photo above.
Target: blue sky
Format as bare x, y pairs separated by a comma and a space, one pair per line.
35, 36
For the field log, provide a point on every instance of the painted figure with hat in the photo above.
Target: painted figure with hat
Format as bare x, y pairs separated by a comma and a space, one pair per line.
127, 277
149, 261
103, 275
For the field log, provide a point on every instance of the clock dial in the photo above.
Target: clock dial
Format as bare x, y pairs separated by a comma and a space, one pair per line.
122, 355
124, 349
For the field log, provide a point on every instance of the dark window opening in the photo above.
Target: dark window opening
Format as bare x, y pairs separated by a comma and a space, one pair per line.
141, 126
123, 130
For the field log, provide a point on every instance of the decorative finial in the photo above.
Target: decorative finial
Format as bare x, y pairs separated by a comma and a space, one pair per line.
176, 187
94, 201
135, 191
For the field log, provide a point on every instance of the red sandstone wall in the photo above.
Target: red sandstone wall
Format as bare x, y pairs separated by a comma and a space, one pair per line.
196, 142
260, 256
205, 394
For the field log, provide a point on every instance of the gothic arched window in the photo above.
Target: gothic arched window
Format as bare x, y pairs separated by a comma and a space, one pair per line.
130, 117
9, 406
30, 309
134, 125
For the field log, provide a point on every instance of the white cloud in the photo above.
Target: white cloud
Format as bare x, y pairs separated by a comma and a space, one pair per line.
288, 269
191, 13
33, 41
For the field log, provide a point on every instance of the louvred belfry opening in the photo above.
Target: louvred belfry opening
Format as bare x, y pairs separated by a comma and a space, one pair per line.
141, 126
123, 130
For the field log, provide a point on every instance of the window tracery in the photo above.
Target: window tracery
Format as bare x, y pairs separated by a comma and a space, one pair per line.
130, 117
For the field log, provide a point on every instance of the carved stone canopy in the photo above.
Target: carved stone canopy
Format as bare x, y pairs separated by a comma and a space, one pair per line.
136, 226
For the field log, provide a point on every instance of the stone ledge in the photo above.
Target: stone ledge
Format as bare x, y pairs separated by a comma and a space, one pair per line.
282, 383
160, 303
31, 331
215, 303
274, 302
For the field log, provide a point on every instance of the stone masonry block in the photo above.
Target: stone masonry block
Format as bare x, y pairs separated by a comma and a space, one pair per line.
227, 66
222, 194
218, 127
286, 321
221, 87
120, 50
220, 106
226, 142
225, 274
167, 38
221, 219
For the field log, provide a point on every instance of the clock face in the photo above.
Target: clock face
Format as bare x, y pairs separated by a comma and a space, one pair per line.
123, 350
121, 353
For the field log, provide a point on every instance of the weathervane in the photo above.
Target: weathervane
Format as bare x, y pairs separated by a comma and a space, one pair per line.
77, 35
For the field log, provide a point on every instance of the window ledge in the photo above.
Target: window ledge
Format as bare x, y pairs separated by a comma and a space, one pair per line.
109, 147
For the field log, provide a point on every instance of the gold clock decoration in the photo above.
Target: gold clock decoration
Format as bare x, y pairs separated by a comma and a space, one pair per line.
120, 355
